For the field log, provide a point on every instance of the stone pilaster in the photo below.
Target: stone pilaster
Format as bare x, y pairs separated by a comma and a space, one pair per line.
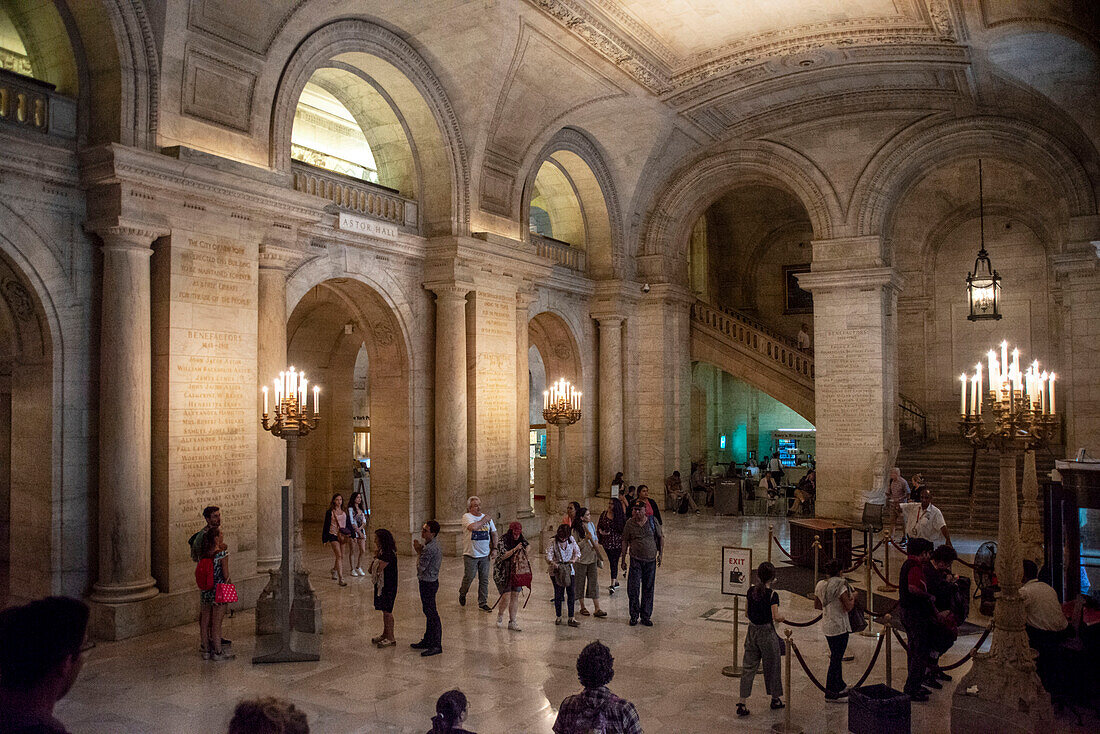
524, 507
855, 334
611, 399
125, 419
1078, 273
451, 449
271, 352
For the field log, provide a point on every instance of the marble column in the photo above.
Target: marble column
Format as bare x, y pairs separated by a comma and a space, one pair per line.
451, 449
125, 420
524, 507
271, 360
611, 400
855, 391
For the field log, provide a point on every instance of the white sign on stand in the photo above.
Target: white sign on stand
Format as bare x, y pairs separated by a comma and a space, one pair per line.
736, 570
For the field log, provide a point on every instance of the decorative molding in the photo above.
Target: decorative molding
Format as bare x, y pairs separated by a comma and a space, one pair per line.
199, 18
215, 91
18, 299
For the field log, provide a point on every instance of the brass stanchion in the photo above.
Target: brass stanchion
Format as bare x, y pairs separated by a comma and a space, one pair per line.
734, 671
886, 542
889, 661
771, 529
815, 549
787, 727
869, 561
834, 543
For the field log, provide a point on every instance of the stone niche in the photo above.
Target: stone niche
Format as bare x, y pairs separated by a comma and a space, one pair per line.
204, 309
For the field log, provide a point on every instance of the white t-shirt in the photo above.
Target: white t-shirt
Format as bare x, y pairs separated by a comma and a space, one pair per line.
922, 523
834, 620
1044, 611
476, 543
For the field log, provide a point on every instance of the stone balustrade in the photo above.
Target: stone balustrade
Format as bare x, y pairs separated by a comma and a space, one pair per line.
358, 196
561, 253
768, 345
33, 105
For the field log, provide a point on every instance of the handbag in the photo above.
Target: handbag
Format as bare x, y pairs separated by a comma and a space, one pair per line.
856, 619
562, 573
225, 594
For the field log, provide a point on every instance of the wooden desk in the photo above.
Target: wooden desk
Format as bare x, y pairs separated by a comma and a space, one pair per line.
802, 538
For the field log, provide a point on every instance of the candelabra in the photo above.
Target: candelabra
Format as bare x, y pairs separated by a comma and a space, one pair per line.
561, 406
1019, 416
288, 614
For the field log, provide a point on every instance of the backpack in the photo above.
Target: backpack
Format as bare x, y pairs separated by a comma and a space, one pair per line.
204, 574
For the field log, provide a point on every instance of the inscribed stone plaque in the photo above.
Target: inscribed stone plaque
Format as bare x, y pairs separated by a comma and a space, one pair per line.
204, 423
492, 378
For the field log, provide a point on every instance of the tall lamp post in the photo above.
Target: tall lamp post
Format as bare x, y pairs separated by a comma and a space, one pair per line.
1016, 414
294, 633
561, 406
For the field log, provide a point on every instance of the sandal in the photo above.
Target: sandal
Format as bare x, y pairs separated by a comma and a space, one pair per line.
584, 612
741, 710
600, 613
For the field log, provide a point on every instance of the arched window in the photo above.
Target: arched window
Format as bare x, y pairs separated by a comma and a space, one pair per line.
326, 135
13, 52
539, 222
555, 195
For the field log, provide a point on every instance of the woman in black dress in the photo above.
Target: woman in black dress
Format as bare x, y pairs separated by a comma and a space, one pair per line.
384, 572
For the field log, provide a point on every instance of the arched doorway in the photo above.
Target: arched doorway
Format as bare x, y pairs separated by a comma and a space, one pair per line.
554, 355
27, 523
347, 339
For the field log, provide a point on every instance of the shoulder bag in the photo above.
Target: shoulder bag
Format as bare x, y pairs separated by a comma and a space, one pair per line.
856, 619
561, 573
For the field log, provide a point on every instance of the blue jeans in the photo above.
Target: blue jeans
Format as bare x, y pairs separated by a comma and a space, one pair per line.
480, 566
639, 587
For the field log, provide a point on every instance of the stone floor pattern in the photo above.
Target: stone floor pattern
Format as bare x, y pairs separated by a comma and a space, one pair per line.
514, 680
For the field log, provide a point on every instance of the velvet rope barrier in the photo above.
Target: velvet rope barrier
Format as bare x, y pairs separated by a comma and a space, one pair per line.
957, 663
812, 622
806, 557
867, 611
846, 691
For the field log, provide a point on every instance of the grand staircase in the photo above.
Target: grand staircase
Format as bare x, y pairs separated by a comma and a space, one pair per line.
946, 467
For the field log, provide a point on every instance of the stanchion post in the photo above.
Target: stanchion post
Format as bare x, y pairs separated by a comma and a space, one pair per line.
886, 540
889, 658
771, 531
815, 548
734, 671
868, 561
787, 727
834, 544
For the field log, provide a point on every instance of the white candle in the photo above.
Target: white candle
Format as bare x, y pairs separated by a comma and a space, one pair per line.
974, 395
978, 370
992, 370
278, 392
316, 399
304, 393
962, 395
1052, 403
1004, 356
265, 399
1016, 360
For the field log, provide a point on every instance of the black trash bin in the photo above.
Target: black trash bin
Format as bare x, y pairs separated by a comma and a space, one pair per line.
878, 709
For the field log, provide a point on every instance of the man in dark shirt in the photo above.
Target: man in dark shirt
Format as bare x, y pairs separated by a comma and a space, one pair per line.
917, 613
42, 648
945, 589
643, 543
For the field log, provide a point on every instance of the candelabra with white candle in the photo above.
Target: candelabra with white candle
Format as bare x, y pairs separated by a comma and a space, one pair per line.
561, 406
1017, 412
295, 638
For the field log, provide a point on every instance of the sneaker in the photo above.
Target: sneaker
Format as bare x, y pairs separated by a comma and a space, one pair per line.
933, 683
462, 600
500, 621
633, 622
514, 627
361, 571
333, 573
698, 512
557, 621
777, 703
485, 607
611, 589
220, 656
341, 582
355, 572
574, 623
647, 622
376, 640
940, 675
616, 584
741, 710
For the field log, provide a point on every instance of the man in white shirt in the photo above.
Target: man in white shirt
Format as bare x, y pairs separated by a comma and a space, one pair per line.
804, 338
1044, 611
924, 520
477, 550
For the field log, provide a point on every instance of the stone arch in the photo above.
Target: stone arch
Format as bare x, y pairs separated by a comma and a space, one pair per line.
32, 360
321, 302
559, 346
413, 86
899, 166
667, 228
595, 188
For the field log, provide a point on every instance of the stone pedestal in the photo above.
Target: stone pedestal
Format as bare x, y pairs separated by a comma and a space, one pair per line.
855, 360
1031, 527
125, 419
1008, 695
450, 410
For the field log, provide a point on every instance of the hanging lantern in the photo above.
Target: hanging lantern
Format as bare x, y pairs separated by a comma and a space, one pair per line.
983, 286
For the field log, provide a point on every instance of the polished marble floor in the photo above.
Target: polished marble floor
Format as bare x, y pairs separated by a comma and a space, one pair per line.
514, 680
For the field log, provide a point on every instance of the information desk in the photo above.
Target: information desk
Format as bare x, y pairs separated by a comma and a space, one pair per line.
802, 538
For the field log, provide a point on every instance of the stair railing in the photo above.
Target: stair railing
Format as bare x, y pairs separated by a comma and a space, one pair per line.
913, 419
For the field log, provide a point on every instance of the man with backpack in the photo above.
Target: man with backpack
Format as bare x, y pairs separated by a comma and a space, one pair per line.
213, 516
596, 709
643, 541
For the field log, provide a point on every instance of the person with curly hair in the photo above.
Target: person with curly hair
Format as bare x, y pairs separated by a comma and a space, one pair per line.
268, 715
383, 570
596, 708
